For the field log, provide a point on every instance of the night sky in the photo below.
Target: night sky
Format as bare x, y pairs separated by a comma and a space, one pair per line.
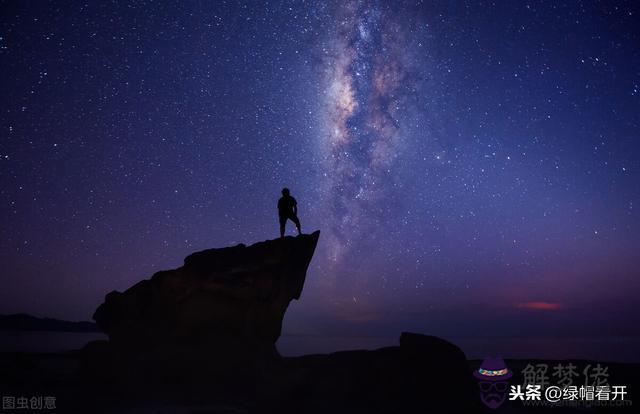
473, 166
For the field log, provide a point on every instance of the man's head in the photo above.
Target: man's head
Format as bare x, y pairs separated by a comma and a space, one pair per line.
285, 191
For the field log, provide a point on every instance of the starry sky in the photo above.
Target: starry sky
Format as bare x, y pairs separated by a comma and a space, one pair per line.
473, 165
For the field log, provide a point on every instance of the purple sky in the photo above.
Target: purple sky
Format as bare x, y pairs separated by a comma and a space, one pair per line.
474, 167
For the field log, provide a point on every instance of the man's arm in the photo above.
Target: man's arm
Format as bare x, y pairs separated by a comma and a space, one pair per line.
295, 207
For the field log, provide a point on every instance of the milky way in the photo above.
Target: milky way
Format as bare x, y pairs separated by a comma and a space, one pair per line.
367, 66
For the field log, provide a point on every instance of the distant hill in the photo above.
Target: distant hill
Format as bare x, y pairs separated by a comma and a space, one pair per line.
24, 322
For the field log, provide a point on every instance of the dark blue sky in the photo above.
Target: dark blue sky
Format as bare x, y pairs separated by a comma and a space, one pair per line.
473, 166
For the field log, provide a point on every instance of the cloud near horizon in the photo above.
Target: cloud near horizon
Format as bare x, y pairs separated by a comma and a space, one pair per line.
549, 306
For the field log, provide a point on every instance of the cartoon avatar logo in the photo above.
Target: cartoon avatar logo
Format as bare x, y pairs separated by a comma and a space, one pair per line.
493, 375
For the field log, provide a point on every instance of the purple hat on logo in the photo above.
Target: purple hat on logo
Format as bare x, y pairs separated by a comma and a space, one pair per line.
493, 369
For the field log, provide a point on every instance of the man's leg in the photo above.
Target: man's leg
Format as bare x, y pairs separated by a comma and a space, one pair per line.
283, 220
297, 223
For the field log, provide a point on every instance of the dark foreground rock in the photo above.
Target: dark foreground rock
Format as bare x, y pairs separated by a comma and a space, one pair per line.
345, 382
422, 374
205, 333
234, 295
201, 339
216, 317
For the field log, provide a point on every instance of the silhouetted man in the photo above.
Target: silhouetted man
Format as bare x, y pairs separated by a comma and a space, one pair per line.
288, 209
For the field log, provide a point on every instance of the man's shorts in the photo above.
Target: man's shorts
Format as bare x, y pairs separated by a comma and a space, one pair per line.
292, 217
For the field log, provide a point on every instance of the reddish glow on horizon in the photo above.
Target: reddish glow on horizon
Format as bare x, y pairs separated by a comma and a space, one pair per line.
540, 305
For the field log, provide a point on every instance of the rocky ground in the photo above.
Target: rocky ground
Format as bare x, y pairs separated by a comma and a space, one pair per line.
352, 381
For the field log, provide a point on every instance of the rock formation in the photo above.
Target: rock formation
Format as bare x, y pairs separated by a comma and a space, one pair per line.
227, 300
423, 374
205, 333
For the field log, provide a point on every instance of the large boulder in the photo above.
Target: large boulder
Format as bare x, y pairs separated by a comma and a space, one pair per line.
423, 374
231, 298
